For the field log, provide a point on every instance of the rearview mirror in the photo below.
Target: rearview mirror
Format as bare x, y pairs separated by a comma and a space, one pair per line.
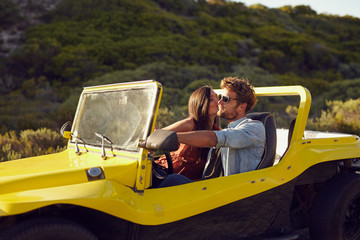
65, 130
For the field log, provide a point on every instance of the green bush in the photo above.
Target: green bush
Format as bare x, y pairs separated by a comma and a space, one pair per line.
176, 42
340, 116
9, 13
30, 143
166, 117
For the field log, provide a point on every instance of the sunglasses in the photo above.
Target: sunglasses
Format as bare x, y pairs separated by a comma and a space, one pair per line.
224, 98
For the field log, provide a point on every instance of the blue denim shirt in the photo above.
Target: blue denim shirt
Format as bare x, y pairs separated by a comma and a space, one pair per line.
242, 145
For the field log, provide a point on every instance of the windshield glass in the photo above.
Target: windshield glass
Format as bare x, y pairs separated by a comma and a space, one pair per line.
123, 116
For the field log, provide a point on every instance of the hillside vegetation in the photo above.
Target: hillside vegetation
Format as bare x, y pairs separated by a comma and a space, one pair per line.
180, 43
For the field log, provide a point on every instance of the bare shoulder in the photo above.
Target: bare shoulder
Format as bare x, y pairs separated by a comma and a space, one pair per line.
183, 125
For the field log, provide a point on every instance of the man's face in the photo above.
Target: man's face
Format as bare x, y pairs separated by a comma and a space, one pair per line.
231, 110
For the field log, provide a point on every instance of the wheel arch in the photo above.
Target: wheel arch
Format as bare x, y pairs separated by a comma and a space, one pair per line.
310, 184
336, 209
103, 225
306, 187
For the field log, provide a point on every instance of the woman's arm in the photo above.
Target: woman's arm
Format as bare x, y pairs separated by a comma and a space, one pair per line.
184, 125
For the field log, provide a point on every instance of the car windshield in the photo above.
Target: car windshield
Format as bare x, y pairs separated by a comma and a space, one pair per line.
122, 116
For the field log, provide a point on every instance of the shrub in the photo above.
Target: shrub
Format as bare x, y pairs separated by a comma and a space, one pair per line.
339, 117
9, 13
167, 117
30, 143
10, 146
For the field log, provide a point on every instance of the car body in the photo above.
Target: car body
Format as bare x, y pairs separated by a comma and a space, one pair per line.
102, 182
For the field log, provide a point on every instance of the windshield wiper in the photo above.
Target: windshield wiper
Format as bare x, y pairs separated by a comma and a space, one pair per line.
77, 149
103, 139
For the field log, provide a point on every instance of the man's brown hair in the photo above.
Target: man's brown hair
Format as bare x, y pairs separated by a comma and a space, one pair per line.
244, 91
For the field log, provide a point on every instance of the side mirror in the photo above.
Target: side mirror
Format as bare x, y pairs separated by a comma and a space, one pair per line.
161, 140
65, 130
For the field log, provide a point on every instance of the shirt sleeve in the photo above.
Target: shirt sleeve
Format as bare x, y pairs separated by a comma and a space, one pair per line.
247, 135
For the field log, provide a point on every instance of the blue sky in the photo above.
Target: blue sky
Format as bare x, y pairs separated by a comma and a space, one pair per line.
341, 8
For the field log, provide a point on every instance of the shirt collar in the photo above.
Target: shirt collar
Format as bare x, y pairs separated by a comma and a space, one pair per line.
237, 122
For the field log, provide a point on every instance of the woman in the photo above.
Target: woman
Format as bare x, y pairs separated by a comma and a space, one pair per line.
202, 107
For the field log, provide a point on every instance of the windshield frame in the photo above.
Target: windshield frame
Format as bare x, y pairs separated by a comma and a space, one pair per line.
151, 87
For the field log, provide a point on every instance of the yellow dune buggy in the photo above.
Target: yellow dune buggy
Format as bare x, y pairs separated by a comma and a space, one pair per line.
101, 186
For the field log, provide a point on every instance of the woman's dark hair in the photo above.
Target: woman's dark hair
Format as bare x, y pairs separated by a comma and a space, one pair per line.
198, 108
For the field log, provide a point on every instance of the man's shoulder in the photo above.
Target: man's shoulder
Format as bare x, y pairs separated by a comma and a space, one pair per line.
249, 121
252, 121
248, 124
245, 123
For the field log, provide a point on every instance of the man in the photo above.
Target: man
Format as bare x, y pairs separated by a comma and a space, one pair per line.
242, 143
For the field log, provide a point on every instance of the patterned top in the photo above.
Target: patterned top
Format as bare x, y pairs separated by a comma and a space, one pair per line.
187, 160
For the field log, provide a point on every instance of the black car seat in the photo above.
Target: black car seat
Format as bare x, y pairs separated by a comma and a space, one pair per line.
268, 120
291, 130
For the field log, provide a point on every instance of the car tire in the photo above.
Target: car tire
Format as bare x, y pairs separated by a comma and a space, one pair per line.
335, 213
48, 228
